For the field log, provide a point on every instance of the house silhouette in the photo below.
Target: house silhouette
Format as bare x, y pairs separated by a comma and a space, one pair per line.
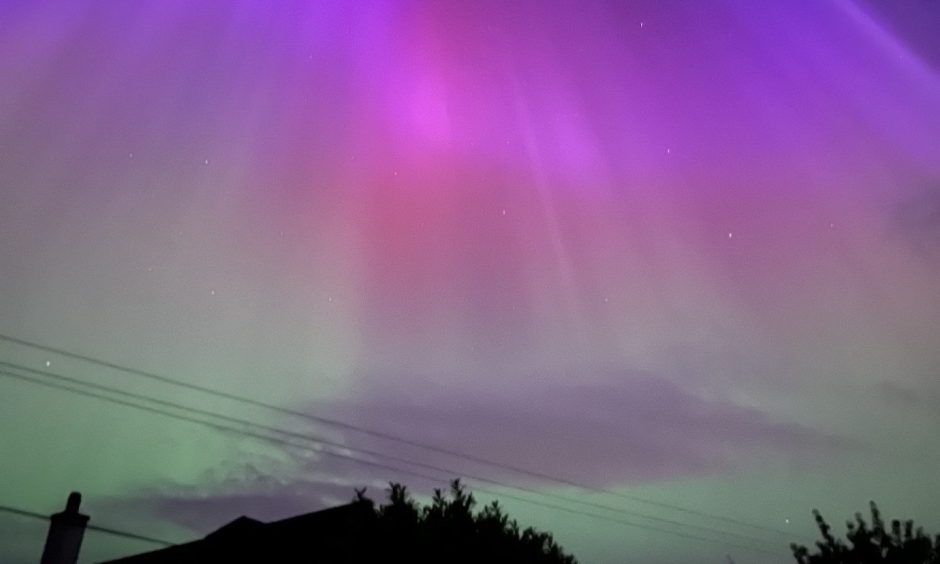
329, 536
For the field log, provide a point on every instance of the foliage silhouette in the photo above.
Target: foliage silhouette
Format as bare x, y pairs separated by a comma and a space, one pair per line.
871, 544
448, 530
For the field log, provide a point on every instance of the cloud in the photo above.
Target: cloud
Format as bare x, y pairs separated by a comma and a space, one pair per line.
910, 398
634, 428
917, 219
309, 483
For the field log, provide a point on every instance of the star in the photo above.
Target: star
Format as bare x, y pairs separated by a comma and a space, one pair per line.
211, 292
205, 161
642, 25
48, 364
502, 211
731, 235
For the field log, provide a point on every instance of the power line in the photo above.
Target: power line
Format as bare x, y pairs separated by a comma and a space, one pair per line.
317, 440
381, 466
367, 452
90, 526
356, 460
381, 434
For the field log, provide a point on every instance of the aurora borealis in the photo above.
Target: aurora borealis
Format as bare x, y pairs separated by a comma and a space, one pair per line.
682, 251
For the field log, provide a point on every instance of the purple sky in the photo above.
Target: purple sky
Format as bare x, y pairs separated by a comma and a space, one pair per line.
687, 252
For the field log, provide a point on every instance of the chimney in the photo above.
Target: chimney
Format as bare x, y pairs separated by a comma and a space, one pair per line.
66, 530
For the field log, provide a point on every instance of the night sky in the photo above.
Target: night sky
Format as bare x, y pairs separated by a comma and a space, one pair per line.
684, 254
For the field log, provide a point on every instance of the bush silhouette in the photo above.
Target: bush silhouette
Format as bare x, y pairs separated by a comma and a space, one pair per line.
448, 530
871, 544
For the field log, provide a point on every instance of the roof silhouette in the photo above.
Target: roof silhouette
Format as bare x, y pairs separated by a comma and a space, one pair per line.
322, 536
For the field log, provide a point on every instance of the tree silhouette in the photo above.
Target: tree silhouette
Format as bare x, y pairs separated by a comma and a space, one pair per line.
871, 544
448, 530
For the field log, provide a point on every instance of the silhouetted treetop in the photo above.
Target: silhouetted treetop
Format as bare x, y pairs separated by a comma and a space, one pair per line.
448, 530
871, 543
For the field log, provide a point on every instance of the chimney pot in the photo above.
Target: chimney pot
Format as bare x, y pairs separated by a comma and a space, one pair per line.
66, 529
75, 500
